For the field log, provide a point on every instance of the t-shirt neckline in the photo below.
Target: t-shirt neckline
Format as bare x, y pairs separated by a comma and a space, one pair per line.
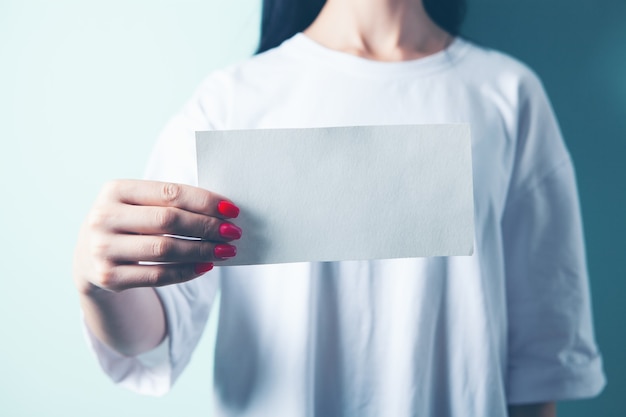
301, 45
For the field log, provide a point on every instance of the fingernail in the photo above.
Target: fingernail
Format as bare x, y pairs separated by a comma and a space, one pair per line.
225, 251
228, 209
230, 231
203, 267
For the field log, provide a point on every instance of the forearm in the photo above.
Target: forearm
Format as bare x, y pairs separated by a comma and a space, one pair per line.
131, 322
533, 410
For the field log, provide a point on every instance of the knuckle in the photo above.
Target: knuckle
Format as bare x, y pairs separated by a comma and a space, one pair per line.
162, 275
110, 188
180, 275
166, 218
154, 276
204, 251
170, 192
208, 228
161, 248
100, 247
206, 202
98, 218
104, 276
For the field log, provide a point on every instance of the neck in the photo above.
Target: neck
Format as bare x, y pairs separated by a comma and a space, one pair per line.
383, 30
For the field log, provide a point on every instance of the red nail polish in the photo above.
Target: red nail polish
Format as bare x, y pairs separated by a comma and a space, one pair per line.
228, 209
225, 251
230, 231
203, 267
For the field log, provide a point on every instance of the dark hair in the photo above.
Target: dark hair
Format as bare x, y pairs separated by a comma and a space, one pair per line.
281, 19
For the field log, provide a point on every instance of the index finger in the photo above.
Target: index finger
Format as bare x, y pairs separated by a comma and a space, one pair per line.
167, 194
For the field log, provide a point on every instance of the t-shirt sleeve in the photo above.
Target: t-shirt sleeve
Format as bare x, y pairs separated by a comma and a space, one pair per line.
187, 305
552, 354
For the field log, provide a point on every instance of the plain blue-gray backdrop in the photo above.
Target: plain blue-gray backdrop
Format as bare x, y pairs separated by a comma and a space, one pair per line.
85, 87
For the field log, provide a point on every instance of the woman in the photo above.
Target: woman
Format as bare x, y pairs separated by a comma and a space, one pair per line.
506, 331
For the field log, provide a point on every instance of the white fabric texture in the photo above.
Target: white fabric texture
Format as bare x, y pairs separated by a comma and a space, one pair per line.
445, 336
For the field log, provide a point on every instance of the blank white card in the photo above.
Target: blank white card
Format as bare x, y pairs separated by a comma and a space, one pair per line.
344, 193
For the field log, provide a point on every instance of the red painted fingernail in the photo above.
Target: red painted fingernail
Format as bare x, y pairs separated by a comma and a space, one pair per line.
203, 267
225, 251
228, 209
230, 231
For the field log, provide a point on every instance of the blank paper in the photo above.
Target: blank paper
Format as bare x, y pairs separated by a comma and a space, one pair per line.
344, 193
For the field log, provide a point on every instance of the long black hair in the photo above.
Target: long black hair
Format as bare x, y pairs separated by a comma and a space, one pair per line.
281, 19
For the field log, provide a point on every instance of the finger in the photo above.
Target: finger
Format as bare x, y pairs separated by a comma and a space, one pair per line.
136, 248
170, 220
122, 277
164, 194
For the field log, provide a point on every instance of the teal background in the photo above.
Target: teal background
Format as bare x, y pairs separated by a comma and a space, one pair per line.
578, 48
86, 86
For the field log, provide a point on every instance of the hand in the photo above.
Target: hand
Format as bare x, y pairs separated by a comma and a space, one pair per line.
127, 225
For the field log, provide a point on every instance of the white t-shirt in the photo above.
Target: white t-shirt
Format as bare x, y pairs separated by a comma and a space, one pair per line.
444, 336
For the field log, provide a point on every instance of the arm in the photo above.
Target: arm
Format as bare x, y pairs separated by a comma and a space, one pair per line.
533, 410
552, 354
125, 227
131, 322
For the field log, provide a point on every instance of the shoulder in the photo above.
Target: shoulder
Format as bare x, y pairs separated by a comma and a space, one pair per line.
489, 65
509, 84
518, 93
